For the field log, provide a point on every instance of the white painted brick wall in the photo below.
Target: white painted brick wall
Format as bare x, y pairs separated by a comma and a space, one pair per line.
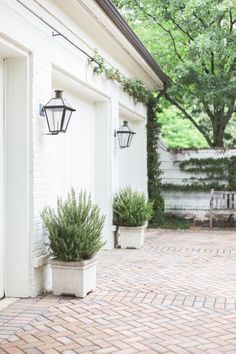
47, 54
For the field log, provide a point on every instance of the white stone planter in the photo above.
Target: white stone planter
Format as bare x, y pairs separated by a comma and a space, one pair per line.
73, 278
131, 237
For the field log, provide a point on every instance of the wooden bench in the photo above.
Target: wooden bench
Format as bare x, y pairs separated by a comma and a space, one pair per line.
222, 203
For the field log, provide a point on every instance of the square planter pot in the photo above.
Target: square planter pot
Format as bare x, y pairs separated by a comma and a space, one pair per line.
131, 237
73, 278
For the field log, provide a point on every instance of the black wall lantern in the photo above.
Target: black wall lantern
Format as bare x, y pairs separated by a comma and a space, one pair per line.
125, 135
58, 113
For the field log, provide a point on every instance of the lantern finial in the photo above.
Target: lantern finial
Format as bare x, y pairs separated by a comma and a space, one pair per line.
58, 93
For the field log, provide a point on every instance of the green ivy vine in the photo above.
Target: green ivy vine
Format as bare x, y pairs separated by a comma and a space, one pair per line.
138, 91
132, 87
153, 164
217, 173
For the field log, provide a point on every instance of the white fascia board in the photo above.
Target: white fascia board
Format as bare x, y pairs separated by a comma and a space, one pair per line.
135, 114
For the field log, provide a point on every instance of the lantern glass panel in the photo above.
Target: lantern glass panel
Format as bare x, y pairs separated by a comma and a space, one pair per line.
66, 119
131, 135
123, 137
54, 119
55, 102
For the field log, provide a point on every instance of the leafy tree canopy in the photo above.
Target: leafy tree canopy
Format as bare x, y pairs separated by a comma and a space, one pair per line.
178, 132
194, 41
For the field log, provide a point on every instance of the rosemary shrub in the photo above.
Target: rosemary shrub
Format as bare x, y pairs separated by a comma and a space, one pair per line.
131, 208
74, 228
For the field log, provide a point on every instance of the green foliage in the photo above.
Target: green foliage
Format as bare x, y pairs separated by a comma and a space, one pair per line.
195, 43
131, 208
153, 163
194, 187
132, 87
178, 132
74, 228
219, 174
174, 222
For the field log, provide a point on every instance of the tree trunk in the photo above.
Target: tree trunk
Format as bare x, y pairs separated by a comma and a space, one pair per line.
218, 129
218, 141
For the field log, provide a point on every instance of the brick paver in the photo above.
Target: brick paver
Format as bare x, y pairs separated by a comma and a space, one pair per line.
176, 295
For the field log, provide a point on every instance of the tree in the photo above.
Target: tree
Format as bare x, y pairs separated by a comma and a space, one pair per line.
194, 41
177, 132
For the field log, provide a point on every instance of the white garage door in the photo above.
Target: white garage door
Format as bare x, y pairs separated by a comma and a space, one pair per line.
1, 186
133, 160
74, 151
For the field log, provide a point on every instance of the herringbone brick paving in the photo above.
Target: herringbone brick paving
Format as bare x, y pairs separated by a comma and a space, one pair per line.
177, 295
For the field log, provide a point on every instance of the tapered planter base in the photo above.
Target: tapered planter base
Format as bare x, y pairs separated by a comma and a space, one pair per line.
131, 237
73, 278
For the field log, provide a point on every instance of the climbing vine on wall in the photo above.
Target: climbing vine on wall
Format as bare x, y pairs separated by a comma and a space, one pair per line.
217, 173
153, 163
133, 87
138, 91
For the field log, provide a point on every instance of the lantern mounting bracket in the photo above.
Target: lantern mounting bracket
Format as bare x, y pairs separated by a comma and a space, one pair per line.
41, 110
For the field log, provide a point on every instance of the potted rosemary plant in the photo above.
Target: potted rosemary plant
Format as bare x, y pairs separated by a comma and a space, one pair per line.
74, 231
131, 211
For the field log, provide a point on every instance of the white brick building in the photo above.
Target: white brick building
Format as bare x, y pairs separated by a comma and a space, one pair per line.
35, 167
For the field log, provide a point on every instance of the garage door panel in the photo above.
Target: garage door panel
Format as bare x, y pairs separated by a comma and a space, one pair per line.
75, 153
1, 185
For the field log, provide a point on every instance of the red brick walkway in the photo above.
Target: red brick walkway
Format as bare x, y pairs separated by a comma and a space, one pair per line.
177, 295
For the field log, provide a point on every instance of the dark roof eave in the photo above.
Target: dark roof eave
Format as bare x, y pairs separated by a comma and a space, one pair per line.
122, 25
